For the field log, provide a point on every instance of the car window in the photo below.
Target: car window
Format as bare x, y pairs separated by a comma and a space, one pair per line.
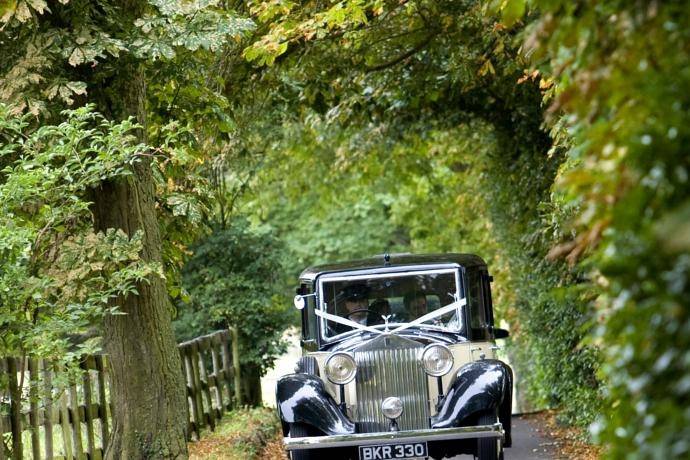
395, 297
478, 320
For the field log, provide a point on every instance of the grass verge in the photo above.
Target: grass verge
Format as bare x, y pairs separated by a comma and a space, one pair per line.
243, 434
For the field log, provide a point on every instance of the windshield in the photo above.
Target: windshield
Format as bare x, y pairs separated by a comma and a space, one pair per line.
396, 298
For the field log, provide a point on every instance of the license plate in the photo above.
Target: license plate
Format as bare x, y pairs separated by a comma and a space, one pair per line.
390, 451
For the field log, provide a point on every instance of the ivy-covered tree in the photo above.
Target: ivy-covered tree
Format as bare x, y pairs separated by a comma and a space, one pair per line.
57, 274
620, 109
79, 51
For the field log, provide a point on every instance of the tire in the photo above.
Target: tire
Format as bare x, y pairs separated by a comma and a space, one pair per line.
299, 430
489, 448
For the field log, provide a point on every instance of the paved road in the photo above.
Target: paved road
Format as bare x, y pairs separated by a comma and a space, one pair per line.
529, 442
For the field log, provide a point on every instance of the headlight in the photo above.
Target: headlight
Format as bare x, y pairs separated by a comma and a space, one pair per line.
437, 360
340, 368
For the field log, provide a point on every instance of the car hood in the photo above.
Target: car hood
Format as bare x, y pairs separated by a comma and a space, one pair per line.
422, 335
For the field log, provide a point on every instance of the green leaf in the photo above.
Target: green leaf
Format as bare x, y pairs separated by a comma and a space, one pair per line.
513, 11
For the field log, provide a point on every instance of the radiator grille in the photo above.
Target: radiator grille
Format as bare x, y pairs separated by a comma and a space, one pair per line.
390, 366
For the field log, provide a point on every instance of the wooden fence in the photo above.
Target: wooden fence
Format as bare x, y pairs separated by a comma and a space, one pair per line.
62, 418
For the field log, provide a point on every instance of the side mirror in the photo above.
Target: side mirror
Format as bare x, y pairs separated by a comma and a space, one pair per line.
299, 302
501, 333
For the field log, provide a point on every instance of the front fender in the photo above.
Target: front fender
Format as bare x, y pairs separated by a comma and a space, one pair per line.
302, 398
478, 386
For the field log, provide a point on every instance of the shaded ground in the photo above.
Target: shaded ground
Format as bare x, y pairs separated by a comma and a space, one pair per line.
538, 437
241, 435
530, 441
254, 434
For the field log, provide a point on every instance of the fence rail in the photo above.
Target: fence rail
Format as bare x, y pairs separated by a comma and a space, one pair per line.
49, 417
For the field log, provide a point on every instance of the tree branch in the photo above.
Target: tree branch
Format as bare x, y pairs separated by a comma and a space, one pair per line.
417, 48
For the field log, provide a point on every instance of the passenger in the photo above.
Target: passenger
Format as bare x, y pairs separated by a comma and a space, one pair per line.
415, 305
378, 309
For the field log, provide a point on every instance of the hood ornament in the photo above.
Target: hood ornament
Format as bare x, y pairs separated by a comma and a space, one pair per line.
385, 322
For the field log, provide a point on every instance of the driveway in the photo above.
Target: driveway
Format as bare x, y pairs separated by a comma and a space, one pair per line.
529, 442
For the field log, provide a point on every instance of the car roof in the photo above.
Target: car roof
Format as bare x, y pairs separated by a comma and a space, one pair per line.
396, 260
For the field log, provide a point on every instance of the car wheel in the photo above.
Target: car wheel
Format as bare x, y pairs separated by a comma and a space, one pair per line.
489, 448
299, 430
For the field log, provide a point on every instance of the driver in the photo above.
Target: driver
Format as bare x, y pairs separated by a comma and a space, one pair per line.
356, 303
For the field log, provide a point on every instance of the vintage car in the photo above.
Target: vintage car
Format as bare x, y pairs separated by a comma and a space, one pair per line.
399, 361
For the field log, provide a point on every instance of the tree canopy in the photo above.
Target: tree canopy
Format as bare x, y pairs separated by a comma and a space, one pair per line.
548, 137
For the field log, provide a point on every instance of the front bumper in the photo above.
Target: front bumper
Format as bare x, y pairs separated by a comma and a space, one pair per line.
365, 439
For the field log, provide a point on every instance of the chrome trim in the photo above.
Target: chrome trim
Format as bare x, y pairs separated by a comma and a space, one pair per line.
439, 345
388, 274
354, 365
390, 366
366, 439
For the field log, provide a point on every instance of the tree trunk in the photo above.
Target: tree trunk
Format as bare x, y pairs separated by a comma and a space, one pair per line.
148, 391
251, 386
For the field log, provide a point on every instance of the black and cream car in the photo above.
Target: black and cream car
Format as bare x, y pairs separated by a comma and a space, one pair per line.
399, 361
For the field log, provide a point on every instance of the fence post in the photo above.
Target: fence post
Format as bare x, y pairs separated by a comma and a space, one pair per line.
15, 409
33, 408
101, 363
76, 420
48, 413
215, 360
228, 371
64, 420
236, 364
196, 384
3, 371
205, 388
87, 365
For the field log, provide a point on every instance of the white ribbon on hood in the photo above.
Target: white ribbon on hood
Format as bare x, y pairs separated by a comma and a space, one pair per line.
434, 314
345, 321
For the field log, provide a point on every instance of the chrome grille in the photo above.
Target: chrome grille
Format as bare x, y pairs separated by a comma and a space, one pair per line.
390, 366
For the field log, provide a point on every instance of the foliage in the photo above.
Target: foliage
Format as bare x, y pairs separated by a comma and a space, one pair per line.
47, 66
232, 278
45, 62
185, 25
621, 95
429, 110
360, 126
56, 274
